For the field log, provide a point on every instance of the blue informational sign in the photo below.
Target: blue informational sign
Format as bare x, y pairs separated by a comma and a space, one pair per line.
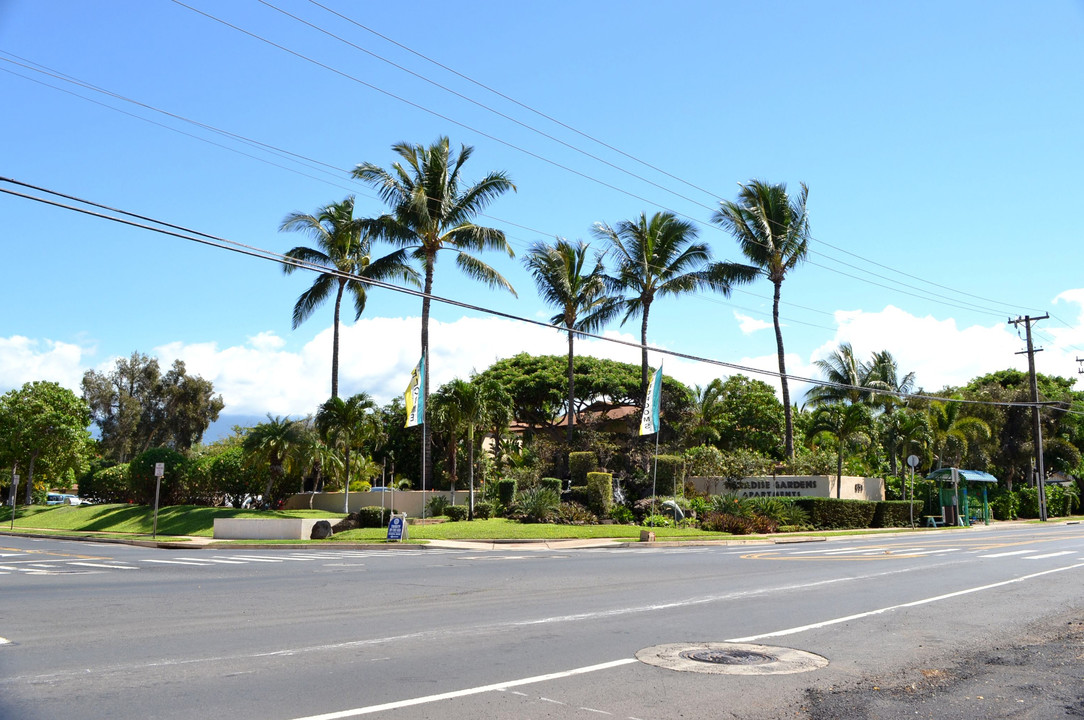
395, 528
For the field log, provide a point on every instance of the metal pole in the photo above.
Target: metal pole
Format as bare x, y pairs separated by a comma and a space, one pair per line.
14, 494
911, 504
157, 488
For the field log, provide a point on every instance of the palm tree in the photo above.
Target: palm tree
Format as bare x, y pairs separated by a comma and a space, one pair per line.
707, 411
581, 299
905, 433
657, 256
345, 425
433, 210
953, 433
276, 443
342, 248
772, 231
844, 425
848, 380
884, 369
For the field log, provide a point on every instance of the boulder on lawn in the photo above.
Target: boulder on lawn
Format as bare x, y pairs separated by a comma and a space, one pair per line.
350, 522
321, 530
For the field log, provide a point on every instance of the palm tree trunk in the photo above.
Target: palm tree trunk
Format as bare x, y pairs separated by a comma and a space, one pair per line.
30, 479
839, 471
346, 484
571, 390
643, 349
788, 412
335, 341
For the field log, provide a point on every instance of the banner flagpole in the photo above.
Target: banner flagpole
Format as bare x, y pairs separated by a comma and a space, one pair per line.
649, 423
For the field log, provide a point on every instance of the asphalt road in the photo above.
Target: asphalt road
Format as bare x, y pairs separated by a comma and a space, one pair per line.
111, 631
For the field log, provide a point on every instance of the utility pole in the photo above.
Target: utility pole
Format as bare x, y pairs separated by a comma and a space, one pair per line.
1041, 475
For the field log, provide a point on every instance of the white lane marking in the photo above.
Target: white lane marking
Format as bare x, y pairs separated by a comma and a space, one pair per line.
4, 641
915, 603
6, 567
600, 712
10, 554
254, 558
103, 565
355, 712
1049, 555
177, 562
43, 565
212, 560
936, 552
1007, 554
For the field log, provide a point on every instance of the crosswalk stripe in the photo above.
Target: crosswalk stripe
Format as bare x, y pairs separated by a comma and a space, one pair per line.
176, 562
252, 558
213, 560
103, 565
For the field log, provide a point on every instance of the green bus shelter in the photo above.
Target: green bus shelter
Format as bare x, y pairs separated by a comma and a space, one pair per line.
954, 485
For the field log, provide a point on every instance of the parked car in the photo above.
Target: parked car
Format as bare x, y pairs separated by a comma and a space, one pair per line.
64, 499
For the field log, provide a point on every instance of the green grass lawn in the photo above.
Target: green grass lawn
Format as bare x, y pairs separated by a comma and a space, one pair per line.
136, 521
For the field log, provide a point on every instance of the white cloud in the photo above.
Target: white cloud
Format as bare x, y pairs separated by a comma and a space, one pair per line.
23, 360
749, 325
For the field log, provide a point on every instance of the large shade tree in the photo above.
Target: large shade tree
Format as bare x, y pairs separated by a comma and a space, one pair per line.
772, 231
655, 257
432, 209
583, 304
342, 257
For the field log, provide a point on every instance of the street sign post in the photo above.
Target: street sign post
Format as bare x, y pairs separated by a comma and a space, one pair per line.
913, 461
14, 494
159, 471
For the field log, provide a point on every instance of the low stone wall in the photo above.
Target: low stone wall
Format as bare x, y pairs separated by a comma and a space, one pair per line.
408, 501
854, 488
263, 528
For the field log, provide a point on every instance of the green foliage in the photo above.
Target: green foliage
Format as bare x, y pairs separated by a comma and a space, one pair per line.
372, 516
506, 492
836, 514
658, 521
483, 510
896, 513
108, 485
670, 473
143, 481
704, 461
437, 505
600, 493
578, 494
537, 504
456, 512
570, 513
698, 505
136, 407
738, 524
1005, 505
233, 477
553, 484
731, 504
580, 464
622, 515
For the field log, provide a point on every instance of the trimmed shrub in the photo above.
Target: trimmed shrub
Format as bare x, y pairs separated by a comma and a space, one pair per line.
553, 484
600, 493
1004, 505
896, 513
670, 473
456, 512
622, 515
580, 464
373, 516
483, 510
235, 478
506, 492
143, 481
834, 514
576, 494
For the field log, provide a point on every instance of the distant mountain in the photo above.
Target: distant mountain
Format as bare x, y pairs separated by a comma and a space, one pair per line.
223, 427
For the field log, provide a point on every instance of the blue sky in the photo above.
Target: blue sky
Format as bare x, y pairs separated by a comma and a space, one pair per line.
940, 142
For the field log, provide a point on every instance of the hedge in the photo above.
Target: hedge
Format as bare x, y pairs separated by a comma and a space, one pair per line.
600, 493
833, 514
896, 513
456, 512
108, 485
553, 484
581, 463
506, 492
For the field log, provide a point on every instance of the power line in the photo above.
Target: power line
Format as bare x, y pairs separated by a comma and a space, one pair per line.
147, 223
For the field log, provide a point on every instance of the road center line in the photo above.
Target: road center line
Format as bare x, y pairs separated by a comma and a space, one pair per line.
468, 691
915, 603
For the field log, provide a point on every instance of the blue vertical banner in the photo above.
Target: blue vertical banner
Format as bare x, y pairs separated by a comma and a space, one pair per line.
649, 423
415, 396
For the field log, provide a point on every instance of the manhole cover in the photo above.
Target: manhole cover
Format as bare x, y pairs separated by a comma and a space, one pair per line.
730, 659
727, 657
